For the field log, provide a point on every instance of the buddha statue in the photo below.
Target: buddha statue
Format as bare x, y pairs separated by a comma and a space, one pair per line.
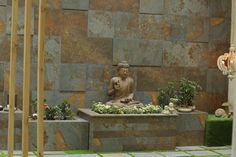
121, 87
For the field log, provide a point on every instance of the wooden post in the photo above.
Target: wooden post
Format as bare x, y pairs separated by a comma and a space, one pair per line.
26, 78
40, 81
12, 81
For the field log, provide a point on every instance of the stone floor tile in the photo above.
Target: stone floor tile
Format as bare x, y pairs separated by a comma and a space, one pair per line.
146, 154
74, 155
187, 148
174, 154
215, 147
116, 155
202, 153
223, 151
54, 152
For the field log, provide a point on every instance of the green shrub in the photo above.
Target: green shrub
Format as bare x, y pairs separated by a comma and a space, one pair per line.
184, 91
165, 94
187, 91
60, 112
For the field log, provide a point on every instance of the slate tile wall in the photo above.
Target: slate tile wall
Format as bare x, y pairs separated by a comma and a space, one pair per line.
163, 40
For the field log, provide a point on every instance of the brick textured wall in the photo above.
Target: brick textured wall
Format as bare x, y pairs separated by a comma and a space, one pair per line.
163, 40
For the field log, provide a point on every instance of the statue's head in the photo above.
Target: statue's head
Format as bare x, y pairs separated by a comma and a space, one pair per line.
123, 69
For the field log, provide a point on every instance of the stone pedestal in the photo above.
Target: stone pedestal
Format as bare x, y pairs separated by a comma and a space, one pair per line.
130, 132
191, 128
4, 130
59, 134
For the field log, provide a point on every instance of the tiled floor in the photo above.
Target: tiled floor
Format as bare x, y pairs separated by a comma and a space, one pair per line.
193, 151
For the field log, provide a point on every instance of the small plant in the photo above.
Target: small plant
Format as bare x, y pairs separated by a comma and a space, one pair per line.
108, 109
165, 94
59, 112
187, 91
184, 92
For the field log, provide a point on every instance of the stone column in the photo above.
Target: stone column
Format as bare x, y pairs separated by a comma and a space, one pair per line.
232, 82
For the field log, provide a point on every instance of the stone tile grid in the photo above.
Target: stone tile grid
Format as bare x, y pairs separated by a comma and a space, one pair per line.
188, 148
3, 2
145, 154
202, 153
116, 155
223, 151
151, 7
216, 147
20, 21
174, 154
75, 4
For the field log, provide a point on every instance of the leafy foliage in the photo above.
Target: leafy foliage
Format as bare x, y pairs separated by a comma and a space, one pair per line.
60, 112
108, 109
166, 93
187, 91
184, 90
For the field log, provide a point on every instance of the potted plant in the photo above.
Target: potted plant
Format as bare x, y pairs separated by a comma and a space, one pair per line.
186, 93
181, 94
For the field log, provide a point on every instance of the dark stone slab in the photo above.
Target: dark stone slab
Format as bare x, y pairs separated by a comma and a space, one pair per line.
3, 2
220, 8
95, 96
153, 27
162, 27
20, 21
1, 76
187, 7
184, 54
153, 78
100, 24
4, 130
116, 132
191, 128
75, 99
216, 82
77, 48
175, 27
3, 13
126, 25
96, 77
52, 49
138, 52
5, 47
73, 77
75, 4
214, 51
197, 29
52, 97
146, 97
61, 135
152, 6
219, 30
114, 5
217, 99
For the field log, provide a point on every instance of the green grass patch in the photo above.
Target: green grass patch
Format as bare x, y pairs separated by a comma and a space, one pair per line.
2, 154
78, 152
